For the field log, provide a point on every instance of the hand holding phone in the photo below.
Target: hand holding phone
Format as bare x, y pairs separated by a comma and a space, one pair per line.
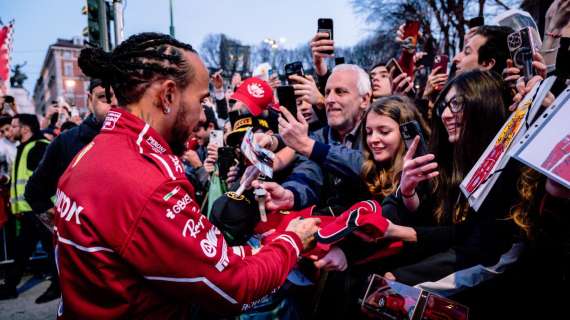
294, 68
326, 25
522, 46
409, 131
441, 61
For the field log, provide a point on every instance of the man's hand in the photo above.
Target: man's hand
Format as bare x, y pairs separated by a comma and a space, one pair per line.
306, 88
295, 132
278, 198
334, 260
318, 44
305, 229
192, 158
217, 80
402, 84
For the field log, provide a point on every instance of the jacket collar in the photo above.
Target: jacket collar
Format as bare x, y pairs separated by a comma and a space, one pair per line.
120, 121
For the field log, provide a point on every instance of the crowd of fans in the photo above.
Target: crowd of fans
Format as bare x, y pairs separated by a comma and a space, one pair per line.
129, 243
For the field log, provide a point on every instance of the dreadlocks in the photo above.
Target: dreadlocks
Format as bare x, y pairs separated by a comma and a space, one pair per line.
136, 63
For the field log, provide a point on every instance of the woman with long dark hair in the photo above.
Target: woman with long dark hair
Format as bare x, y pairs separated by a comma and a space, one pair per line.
450, 246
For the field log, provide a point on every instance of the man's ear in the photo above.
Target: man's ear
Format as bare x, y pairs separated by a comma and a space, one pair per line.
168, 94
90, 101
489, 64
365, 103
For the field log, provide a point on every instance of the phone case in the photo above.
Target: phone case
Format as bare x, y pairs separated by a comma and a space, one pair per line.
521, 47
409, 131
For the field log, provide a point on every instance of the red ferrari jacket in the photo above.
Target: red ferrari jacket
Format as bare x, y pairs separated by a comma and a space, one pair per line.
132, 243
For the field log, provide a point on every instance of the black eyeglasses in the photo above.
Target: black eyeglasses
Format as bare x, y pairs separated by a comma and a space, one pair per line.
455, 104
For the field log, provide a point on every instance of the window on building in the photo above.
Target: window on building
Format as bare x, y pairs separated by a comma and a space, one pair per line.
67, 55
68, 69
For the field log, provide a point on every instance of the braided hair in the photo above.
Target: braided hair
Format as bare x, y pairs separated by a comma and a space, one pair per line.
136, 63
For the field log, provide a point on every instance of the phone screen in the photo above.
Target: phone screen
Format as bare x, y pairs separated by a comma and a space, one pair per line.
286, 96
409, 131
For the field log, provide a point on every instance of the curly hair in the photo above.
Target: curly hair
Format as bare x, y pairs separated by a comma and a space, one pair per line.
383, 179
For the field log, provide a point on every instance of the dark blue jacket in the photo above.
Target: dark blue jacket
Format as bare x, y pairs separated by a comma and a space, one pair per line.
43, 183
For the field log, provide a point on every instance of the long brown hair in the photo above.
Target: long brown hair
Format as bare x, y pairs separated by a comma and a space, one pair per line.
483, 115
383, 179
530, 187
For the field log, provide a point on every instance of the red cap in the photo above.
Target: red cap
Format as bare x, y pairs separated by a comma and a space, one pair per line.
256, 94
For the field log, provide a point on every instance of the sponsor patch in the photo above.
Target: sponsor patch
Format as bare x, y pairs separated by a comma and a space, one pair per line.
171, 193
155, 145
111, 120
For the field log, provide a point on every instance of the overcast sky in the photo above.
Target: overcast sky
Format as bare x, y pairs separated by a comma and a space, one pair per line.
40, 22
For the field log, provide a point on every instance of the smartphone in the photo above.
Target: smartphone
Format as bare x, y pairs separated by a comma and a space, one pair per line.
338, 60
409, 131
394, 68
294, 68
475, 22
217, 137
226, 159
441, 61
326, 25
411, 31
521, 46
286, 96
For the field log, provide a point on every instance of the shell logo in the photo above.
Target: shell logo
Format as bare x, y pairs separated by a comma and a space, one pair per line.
255, 90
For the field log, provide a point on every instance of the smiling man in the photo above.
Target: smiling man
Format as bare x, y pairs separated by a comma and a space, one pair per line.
131, 240
487, 49
337, 146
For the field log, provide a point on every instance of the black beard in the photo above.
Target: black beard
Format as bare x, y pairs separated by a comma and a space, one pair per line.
180, 133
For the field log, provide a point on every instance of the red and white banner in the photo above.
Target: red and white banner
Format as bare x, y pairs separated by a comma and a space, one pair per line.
6, 35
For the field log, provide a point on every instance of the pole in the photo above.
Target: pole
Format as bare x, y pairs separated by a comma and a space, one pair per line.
103, 31
171, 21
119, 22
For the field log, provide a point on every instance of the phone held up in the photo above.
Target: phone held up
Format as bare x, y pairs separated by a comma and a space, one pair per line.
522, 46
441, 61
286, 96
409, 131
294, 68
326, 25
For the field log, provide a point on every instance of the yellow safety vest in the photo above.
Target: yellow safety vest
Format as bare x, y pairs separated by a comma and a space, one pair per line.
19, 176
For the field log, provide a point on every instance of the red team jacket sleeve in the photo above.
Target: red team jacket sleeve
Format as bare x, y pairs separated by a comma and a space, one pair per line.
176, 248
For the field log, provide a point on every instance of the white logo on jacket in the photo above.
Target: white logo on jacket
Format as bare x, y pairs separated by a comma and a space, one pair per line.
111, 120
155, 145
192, 227
66, 207
178, 206
209, 244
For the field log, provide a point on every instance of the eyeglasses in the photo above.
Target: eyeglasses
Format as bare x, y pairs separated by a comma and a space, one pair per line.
455, 104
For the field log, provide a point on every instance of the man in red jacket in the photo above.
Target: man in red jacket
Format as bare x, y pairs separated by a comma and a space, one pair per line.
131, 241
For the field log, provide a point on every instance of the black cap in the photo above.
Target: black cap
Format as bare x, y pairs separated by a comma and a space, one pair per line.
236, 216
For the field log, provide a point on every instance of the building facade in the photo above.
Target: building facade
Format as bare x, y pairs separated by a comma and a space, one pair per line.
60, 76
